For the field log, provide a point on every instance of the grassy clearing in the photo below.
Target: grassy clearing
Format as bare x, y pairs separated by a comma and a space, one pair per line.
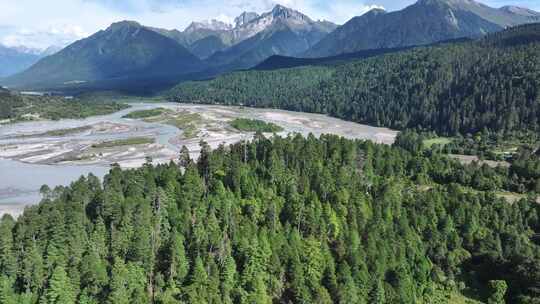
442, 141
469, 159
124, 142
187, 122
456, 298
254, 125
513, 197
142, 114
440, 295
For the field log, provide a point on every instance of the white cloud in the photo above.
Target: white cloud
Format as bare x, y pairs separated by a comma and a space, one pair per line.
57, 35
224, 18
40, 23
43, 23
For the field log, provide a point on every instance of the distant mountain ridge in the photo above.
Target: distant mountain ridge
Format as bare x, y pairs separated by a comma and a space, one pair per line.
464, 86
125, 50
278, 62
205, 39
519, 35
13, 61
128, 51
128, 54
424, 22
282, 31
16, 59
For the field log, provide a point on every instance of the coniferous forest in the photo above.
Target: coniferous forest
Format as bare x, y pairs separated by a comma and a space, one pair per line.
280, 220
450, 88
306, 219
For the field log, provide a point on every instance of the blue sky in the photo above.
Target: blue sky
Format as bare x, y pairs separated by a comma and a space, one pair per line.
41, 23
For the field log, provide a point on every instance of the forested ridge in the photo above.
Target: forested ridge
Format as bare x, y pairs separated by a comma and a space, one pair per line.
17, 107
281, 220
462, 87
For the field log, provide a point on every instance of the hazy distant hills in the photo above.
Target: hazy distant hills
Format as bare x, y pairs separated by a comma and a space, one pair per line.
424, 22
125, 50
17, 59
13, 60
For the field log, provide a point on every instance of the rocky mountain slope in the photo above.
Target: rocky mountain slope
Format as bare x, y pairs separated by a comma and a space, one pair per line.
424, 22
282, 31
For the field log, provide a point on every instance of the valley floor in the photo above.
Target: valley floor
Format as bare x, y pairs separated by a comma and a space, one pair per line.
116, 139
71, 148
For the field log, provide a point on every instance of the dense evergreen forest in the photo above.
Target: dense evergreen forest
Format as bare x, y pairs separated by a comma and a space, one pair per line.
462, 87
280, 220
309, 220
16, 107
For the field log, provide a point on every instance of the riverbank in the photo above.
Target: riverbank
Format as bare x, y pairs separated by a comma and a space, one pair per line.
160, 135
58, 152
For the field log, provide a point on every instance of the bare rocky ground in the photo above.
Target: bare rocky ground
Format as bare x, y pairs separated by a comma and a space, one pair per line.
76, 145
78, 148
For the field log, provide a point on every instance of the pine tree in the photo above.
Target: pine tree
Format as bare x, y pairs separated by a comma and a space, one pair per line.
60, 289
198, 286
94, 272
184, 160
228, 279
7, 294
120, 293
8, 261
498, 290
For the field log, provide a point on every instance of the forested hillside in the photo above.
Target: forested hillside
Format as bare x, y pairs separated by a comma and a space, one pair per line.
286, 220
16, 107
451, 88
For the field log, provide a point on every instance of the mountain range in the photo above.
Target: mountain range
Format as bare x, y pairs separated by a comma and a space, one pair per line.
282, 31
17, 59
124, 51
252, 37
456, 87
424, 22
129, 52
